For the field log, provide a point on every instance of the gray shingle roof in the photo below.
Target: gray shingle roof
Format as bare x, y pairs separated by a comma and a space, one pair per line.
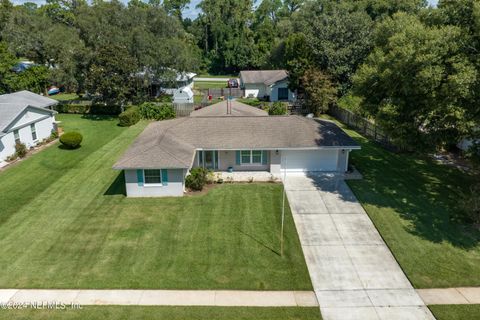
28, 98
266, 77
220, 109
12, 104
172, 143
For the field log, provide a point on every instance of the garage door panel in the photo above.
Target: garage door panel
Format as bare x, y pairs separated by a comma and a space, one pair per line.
309, 160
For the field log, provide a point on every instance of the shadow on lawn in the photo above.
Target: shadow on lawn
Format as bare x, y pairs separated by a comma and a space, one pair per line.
117, 187
258, 241
419, 190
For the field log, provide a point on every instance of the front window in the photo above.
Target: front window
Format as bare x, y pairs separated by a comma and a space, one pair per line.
16, 135
282, 93
246, 156
34, 131
152, 176
256, 156
251, 156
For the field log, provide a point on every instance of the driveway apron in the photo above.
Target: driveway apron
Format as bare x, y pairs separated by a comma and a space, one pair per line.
353, 272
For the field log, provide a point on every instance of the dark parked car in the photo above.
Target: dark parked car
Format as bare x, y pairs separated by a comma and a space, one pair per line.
232, 83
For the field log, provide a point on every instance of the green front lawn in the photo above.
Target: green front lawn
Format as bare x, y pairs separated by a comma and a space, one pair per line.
209, 85
412, 201
456, 312
171, 313
65, 223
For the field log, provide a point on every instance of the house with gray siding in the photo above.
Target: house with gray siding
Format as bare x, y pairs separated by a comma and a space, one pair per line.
271, 85
158, 161
25, 117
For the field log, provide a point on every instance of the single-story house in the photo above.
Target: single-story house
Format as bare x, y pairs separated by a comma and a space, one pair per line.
183, 95
158, 161
271, 85
25, 117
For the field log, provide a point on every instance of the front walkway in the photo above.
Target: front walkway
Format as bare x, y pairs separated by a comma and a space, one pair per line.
224, 298
353, 272
465, 295
246, 176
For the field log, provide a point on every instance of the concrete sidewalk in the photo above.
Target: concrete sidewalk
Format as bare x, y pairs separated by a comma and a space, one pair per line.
353, 272
224, 298
465, 295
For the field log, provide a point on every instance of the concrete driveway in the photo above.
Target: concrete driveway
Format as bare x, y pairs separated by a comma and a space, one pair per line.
353, 272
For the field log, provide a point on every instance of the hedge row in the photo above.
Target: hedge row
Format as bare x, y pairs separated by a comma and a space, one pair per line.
129, 117
147, 110
88, 109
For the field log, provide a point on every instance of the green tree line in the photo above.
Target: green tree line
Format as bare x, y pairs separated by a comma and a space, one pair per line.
411, 68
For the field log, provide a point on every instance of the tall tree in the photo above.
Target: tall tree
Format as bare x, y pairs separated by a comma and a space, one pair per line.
226, 38
418, 83
339, 38
175, 7
7, 62
112, 74
319, 90
6, 8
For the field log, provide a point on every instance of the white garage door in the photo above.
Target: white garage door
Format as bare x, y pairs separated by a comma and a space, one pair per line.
309, 160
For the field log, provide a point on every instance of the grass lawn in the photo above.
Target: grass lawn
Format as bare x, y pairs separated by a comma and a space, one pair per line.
209, 85
65, 223
411, 201
206, 75
197, 100
254, 102
171, 313
65, 96
456, 312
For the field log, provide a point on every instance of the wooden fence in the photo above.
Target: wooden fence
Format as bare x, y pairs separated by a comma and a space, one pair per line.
364, 126
183, 109
224, 92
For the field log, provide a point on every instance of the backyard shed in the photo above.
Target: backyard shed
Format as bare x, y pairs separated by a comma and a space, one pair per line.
183, 95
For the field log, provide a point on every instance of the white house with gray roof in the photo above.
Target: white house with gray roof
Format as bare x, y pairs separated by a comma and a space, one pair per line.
266, 84
158, 161
25, 117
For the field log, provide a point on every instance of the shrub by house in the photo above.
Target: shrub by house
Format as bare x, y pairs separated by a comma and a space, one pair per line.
71, 140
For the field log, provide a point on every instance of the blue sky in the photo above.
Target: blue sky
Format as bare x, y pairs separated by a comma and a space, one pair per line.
191, 12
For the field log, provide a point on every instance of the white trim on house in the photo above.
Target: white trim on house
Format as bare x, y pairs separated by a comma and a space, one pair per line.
280, 149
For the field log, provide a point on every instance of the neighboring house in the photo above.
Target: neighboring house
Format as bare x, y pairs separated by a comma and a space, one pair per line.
182, 80
158, 161
25, 117
271, 85
183, 95
168, 83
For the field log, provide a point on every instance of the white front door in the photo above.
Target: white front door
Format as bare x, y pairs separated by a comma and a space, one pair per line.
309, 160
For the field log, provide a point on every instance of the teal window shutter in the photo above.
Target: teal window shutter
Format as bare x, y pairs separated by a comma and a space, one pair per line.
165, 177
265, 156
140, 177
215, 155
200, 158
237, 157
